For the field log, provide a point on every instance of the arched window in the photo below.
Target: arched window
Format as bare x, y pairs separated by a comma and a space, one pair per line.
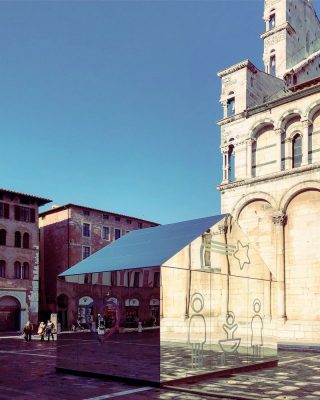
17, 239
272, 19
17, 270
272, 63
25, 240
3, 237
25, 271
296, 151
2, 269
231, 171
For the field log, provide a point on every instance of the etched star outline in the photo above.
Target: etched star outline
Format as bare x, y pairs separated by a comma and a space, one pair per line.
242, 254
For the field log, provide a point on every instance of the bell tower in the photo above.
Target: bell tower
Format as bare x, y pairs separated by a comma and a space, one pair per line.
292, 34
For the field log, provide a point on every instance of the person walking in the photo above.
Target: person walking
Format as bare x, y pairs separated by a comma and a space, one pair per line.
27, 329
42, 330
49, 329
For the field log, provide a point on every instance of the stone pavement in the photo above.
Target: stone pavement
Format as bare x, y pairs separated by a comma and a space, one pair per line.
27, 371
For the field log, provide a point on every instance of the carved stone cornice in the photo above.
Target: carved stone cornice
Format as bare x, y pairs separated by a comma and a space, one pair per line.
267, 178
245, 63
279, 218
279, 28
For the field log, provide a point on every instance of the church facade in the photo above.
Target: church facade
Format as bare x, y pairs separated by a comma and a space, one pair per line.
270, 145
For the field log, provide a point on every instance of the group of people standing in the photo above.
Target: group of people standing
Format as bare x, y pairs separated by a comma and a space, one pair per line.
44, 329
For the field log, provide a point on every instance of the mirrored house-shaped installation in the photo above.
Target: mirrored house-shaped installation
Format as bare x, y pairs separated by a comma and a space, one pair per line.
169, 303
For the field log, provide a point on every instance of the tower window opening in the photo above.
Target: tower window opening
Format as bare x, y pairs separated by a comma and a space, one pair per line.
230, 107
231, 172
272, 20
296, 151
273, 64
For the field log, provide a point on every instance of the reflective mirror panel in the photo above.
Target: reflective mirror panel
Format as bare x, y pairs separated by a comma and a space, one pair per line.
207, 309
111, 324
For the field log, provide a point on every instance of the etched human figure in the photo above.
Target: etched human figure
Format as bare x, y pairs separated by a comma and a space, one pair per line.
256, 330
197, 330
229, 346
230, 327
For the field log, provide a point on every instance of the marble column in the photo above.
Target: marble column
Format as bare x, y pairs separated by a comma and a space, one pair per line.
279, 220
305, 141
278, 133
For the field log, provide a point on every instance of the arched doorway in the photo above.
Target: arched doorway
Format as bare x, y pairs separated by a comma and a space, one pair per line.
10, 309
62, 302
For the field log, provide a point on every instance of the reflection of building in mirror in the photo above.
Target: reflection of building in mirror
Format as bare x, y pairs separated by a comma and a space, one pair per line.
85, 311
257, 329
197, 330
206, 249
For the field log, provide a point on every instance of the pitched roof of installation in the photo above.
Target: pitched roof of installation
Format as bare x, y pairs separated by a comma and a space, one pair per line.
144, 248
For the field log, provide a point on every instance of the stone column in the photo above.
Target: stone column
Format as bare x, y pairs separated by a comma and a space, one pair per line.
288, 153
305, 141
225, 108
280, 219
278, 133
249, 157
225, 165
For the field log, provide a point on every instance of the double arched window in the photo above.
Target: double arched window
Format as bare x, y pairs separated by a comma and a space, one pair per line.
23, 240
21, 271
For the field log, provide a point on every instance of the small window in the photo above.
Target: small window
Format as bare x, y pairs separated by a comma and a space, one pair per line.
85, 252
26, 240
117, 219
25, 271
231, 163
140, 225
17, 270
230, 106
25, 214
273, 64
117, 233
113, 278
2, 269
3, 237
294, 79
129, 221
17, 239
296, 151
4, 210
272, 20
86, 212
105, 216
136, 279
86, 230
156, 279
106, 233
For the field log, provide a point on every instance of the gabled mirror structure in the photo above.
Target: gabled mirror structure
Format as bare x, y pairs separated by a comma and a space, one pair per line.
169, 303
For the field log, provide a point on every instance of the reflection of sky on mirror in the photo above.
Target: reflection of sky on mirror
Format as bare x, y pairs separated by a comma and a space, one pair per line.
113, 104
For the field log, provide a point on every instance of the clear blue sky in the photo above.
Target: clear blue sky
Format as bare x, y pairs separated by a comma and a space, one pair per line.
113, 104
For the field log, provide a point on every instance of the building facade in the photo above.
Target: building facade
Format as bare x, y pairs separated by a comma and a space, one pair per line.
270, 144
19, 259
69, 234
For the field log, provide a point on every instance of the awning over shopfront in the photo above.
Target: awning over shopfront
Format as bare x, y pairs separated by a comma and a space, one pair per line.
144, 248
